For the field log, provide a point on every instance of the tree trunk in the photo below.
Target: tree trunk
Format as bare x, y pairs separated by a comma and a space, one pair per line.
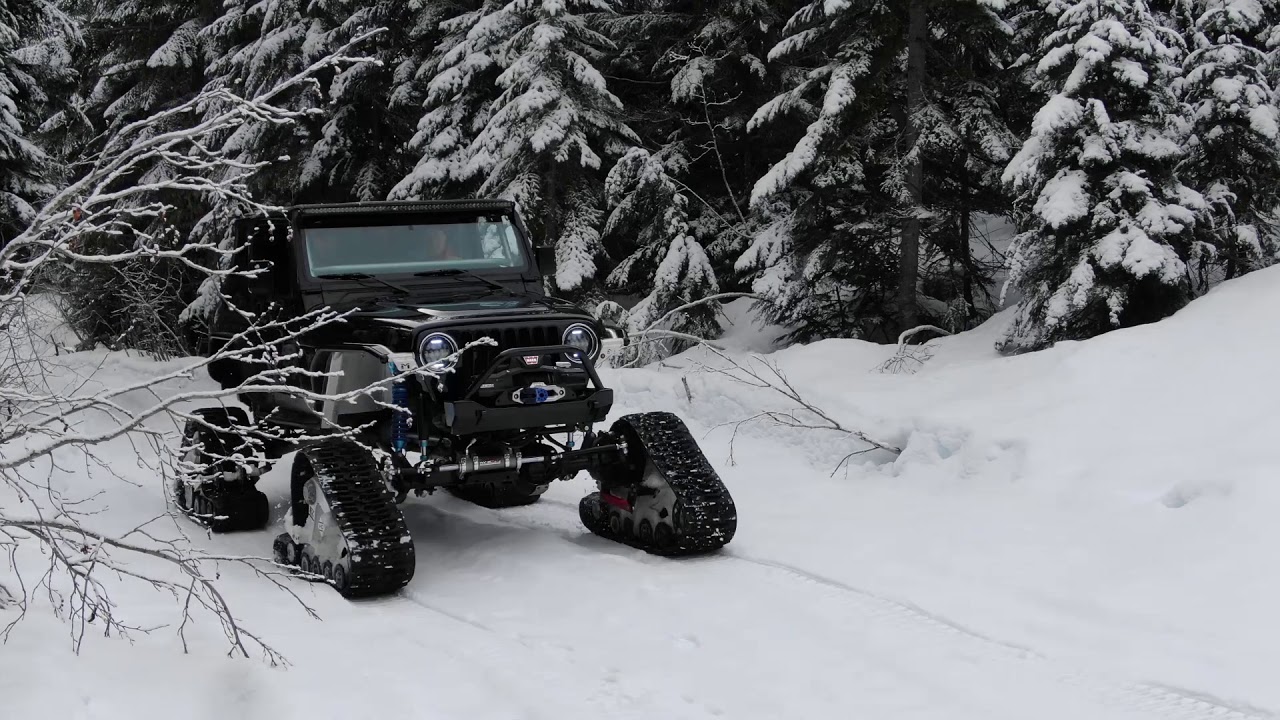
550, 220
909, 261
966, 258
550, 200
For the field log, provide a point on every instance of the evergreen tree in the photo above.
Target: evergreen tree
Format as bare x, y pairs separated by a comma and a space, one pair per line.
27, 173
352, 145
972, 112
253, 46
823, 259
52, 42
145, 56
904, 131
360, 150
460, 76
36, 105
1234, 149
690, 75
666, 265
1105, 223
551, 128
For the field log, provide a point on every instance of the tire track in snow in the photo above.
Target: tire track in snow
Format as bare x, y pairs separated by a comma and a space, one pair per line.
1145, 698
1150, 698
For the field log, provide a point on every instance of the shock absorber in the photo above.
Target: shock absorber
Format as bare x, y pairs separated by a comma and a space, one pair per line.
400, 417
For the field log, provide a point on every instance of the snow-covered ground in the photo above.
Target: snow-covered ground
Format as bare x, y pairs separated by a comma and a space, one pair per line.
1087, 532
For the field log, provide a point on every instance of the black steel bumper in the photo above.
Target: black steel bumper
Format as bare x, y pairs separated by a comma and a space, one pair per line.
468, 416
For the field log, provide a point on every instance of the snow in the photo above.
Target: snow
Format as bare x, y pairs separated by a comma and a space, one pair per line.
1059, 113
1265, 120
1134, 250
1083, 532
1064, 199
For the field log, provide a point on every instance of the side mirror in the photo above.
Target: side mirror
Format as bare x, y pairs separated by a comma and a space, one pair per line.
261, 242
545, 256
258, 259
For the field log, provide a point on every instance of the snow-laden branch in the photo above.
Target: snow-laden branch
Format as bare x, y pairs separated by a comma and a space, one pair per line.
765, 375
654, 333
54, 414
79, 209
908, 358
698, 303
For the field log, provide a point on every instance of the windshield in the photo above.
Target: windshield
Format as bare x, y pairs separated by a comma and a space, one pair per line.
477, 245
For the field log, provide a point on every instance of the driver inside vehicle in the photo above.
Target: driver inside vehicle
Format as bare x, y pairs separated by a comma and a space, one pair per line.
438, 245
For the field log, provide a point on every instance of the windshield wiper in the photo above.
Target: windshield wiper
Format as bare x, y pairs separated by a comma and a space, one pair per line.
364, 276
458, 272
494, 287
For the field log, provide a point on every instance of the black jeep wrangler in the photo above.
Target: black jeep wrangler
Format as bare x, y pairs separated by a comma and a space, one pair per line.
484, 386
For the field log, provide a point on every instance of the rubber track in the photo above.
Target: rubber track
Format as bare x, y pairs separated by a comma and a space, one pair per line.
382, 557
230, 510
704, 514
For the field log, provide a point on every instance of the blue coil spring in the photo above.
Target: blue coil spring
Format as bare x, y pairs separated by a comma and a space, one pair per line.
400, 416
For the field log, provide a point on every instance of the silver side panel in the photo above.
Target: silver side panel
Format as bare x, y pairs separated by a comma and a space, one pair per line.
353, 371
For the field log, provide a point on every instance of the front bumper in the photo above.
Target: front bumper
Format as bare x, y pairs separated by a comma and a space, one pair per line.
469, 416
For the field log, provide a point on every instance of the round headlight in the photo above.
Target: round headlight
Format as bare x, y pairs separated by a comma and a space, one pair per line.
583, 338
434, 352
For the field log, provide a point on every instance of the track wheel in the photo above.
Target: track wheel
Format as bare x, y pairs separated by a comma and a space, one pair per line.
217, 468
345, 522
662, 496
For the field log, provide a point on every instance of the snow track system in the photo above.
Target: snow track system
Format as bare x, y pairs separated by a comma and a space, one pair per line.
656, 491
664, 497
343, 523
217, 473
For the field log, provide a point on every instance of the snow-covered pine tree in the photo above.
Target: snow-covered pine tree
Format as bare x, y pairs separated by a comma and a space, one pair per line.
545, 143
252, 46
26, 171
359, 153
823, 258
352, 149
459, 74
146, 55
903, 125
690, 76
969, 105
1105, 223
666, 265
1233, 155
50, 44
140, 57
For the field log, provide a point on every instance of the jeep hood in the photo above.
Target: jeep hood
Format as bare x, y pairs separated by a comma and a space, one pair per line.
408, 313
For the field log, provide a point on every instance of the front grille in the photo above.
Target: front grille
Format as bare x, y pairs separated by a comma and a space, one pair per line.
479, 358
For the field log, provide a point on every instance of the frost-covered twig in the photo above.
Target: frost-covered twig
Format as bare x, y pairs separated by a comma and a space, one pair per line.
906, 354
81, 552
698, 303
60, 420
806, 415
654, 333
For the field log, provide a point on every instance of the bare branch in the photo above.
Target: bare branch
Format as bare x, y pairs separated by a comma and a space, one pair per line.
908, 358
767, 375
57, 416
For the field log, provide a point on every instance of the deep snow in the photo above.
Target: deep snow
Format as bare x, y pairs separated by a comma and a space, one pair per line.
1085, 532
